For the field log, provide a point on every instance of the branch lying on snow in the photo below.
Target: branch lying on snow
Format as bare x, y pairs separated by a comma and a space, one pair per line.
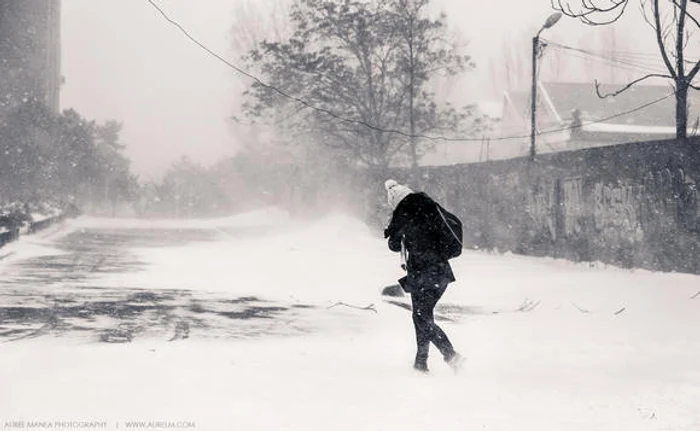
620, 311
696, 295
527, 306
7, 255
97, 264
645, 413
370, 307
582, 310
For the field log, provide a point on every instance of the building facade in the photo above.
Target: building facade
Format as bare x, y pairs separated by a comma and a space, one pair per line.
30, 53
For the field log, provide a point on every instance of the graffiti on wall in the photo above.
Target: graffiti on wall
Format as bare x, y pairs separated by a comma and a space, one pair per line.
623, 211
541, 207
507, 181
616, 211
620, 212
660, 192
508, 188
573, 206
670, 199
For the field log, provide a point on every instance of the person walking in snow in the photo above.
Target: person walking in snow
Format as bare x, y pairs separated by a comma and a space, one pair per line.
412, 231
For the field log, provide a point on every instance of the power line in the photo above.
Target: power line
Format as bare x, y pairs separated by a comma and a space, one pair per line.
615, 64
273, 88
641, 60
622, 57
638, 55
370, 126
643, 65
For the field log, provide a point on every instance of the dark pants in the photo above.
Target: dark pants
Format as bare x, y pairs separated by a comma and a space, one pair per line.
424, 297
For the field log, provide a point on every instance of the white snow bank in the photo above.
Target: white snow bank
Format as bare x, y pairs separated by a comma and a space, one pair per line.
571, 360
30, 246
37, 216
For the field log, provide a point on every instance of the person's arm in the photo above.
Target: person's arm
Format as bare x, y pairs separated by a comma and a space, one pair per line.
394, 232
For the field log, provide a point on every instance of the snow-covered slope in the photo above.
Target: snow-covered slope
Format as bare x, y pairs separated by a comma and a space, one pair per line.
551, 345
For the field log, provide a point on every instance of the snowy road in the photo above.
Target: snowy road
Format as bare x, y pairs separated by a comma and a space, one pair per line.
236, 324
79, 288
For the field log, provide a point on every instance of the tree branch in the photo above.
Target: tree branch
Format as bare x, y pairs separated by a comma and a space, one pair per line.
686, 13
590, 9
680, 16
527, 306
659, 40
582, 310
693, 72
626, 87
370, 307
643, 7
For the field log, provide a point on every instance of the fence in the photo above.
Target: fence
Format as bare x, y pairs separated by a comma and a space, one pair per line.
633, 205
8, 236
45, 223
12, 231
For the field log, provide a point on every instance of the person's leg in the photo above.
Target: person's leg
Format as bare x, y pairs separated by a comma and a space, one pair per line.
436, 335
423, 299
422, 314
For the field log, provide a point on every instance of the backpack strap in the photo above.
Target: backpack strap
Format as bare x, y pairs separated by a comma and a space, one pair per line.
447, 224
404, 254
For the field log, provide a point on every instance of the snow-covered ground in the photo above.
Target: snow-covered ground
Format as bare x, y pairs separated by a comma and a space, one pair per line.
551, 345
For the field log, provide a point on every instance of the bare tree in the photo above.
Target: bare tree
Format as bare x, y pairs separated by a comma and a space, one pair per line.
366, 68
255, 21
669, 20
511, 69
425, 52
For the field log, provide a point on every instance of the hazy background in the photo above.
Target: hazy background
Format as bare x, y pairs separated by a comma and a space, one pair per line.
122, 60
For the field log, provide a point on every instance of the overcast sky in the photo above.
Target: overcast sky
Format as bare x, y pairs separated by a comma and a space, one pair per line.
122, 61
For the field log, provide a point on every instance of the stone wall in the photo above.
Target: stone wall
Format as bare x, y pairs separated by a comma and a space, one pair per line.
633, 205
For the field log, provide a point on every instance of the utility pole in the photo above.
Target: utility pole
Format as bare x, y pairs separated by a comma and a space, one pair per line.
533, 97
553, 19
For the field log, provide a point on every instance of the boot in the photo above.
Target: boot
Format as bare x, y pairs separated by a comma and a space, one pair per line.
456, 362
421, 367
421, 361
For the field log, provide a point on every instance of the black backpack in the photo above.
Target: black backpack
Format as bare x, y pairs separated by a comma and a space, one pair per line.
450, 233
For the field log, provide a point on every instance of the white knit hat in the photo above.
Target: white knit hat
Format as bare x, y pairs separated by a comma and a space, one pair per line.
395, 192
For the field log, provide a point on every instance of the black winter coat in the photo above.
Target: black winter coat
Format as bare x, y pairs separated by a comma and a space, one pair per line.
417, 221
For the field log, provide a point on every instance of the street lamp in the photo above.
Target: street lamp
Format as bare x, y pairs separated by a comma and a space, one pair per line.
553, 19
